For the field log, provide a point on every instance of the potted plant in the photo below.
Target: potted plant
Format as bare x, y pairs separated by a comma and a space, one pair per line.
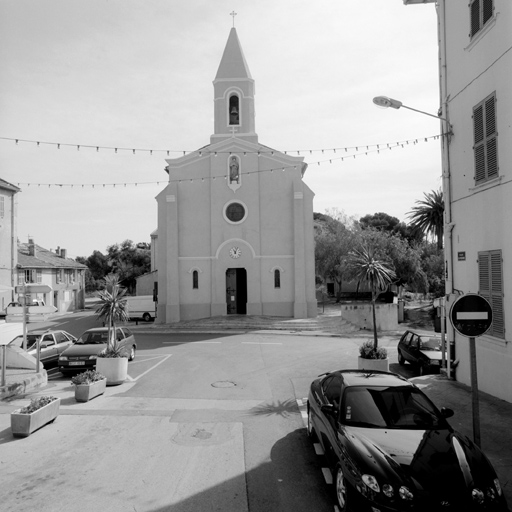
371, 358
39, 412
112, 309
367, 266
88, 384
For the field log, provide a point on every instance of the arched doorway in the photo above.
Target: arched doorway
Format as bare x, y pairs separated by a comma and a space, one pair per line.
236, 291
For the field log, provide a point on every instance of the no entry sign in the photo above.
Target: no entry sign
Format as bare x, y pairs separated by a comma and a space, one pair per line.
471, 315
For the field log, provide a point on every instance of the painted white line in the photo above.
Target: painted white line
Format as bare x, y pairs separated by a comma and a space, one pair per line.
141, 359
318, 449
188, 342
153, 367
327, 475
259, 343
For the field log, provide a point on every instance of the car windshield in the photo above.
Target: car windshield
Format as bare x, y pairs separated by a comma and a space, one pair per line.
430, 343
91, 338
401, 407
31, 341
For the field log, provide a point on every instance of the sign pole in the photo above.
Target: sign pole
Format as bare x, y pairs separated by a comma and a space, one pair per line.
474, 392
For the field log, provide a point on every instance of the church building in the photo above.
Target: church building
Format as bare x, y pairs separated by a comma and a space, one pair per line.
235, 222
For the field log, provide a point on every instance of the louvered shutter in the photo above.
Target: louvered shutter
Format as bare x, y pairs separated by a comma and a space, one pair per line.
490, 278
487, 11
479, 147
491, 148
475, 17
485, 138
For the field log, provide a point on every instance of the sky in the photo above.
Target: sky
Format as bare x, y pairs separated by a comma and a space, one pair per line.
138, 74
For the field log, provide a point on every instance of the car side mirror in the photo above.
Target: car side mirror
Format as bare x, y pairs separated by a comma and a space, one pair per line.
328, 409
446, 412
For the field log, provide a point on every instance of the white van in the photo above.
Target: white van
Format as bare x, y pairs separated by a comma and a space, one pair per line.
141, 306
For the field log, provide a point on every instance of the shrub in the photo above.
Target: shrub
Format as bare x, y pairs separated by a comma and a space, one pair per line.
368, 351
37, 403
87, 377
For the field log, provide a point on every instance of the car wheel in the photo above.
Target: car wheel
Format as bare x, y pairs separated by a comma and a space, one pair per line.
146, 317
401, 358
311, 429
341, 490
132, 354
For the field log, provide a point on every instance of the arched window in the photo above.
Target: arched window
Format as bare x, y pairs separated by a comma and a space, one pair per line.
234, 110
195, 280
277, 278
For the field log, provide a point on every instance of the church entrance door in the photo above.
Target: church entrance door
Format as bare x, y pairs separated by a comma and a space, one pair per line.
236, 291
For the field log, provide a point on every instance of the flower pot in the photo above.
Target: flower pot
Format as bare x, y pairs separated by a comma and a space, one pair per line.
115, 369
373, 364
84, 392
22, 425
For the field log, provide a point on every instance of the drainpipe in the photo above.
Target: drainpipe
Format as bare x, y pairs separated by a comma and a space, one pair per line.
447, 192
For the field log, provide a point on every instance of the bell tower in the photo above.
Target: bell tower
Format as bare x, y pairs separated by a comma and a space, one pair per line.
234, 95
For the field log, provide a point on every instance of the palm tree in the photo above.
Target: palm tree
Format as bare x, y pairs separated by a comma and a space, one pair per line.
112, 309
366, 266
428, 216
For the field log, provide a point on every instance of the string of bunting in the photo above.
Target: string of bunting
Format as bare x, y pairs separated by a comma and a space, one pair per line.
201, 152
345, 156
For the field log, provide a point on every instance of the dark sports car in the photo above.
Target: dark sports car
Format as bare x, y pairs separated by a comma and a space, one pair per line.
391, 449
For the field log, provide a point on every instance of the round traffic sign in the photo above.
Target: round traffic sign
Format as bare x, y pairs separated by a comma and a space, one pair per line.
471, 315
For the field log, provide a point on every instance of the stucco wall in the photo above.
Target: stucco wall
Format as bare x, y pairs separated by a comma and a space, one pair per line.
361, 315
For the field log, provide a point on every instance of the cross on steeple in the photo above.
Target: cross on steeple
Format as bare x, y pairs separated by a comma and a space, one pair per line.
233, 13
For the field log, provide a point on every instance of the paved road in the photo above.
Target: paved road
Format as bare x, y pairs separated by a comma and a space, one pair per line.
204, 423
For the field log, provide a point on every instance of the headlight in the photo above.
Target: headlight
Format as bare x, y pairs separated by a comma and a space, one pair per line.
477, 496
93, 357
371, 482
63, 358
388, 490
405, 493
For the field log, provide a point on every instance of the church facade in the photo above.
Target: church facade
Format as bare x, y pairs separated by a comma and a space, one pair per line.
235, 222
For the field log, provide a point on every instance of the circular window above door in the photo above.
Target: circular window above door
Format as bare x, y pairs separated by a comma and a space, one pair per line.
235, 212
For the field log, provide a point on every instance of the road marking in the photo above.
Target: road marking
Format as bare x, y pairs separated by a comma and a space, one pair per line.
318, 449
188, 342
327, 475
260, 343
152, 368
302, 404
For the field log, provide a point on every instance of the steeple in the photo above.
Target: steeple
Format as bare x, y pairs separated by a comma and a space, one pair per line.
234, 95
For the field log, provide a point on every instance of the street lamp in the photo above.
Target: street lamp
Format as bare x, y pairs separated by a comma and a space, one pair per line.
384, 101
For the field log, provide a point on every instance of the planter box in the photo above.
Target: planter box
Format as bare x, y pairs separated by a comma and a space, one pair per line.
373, 364
115, 369
84, 392
22, 425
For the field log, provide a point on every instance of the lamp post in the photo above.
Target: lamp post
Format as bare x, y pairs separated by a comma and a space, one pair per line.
386, 102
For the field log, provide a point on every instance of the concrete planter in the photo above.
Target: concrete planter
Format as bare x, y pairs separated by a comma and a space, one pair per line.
115, 369
22, 425
84, 392
373, 364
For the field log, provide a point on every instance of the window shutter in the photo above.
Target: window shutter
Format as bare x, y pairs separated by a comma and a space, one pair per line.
490, 278
487, 11
478, 123
490, 135
475, 17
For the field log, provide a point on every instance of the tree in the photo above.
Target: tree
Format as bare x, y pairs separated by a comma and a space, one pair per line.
428, 216
112, 309
333, 242
367, 267
128, 261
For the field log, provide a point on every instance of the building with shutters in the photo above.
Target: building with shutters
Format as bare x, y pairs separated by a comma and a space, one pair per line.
8, 241
475, 56
235, 222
